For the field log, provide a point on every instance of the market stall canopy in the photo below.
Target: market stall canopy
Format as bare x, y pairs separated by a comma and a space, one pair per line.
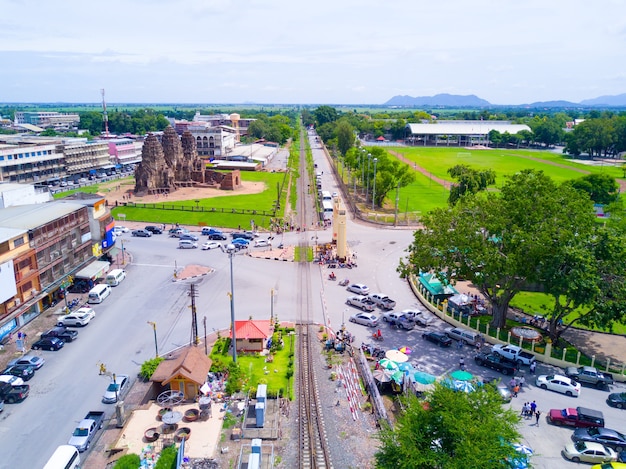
396, 356
94, 270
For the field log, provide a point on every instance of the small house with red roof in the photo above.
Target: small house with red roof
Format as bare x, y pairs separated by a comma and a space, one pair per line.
252, 335
184, 373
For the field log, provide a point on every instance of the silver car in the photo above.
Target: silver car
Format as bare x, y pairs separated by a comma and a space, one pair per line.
365, 319
359, 289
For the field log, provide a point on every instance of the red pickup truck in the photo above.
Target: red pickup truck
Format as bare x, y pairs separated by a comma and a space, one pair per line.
578, 417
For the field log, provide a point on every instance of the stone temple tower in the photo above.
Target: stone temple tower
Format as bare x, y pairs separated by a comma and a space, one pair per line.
153, 174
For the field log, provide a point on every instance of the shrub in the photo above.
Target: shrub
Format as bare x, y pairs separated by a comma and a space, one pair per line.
128, 461
234, 381
149, 366
167, 460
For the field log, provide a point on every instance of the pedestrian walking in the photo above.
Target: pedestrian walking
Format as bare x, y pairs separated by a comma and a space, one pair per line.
462, 364
524, 411
537, 415
533, 367
533, 407
515, 390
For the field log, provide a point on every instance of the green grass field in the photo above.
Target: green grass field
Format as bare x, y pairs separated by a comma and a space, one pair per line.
540, 303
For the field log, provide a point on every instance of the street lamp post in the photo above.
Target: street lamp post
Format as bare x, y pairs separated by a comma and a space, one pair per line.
231, 252
272, 307
367, 190
363, 167
156, 344
374, 191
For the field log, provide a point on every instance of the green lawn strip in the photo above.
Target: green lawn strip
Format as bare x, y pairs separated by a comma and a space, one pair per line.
256, 370
423, 195
503, 162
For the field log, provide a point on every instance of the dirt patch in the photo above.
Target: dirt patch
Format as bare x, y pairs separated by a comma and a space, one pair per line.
120, 192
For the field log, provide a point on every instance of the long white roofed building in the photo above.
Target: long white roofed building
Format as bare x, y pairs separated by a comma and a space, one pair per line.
458, 133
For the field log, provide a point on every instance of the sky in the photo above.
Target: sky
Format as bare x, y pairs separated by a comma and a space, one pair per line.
318, 52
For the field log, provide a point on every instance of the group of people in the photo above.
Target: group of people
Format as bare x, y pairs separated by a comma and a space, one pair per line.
516, 385
529, 409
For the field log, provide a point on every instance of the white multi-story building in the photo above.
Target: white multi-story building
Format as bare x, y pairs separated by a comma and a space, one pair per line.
46, 119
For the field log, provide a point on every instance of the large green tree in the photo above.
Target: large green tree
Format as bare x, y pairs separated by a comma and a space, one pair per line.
499, 240
450, 430
345, 137
602, 188
469, 181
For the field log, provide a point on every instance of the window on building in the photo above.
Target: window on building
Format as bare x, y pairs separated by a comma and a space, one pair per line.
18, 242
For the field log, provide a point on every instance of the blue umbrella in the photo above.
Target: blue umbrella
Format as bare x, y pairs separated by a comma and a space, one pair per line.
406, 366
424, 378
523, 449
461, 375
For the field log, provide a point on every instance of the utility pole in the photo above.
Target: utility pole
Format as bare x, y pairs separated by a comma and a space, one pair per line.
194, 317
395, 220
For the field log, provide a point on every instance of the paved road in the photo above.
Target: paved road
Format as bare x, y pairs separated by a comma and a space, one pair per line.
69, 385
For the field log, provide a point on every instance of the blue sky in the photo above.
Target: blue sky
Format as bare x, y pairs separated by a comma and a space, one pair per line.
321, 52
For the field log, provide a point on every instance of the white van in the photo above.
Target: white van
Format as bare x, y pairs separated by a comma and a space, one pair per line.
115, 277
464, 335
98, 293
187, 244
64, 457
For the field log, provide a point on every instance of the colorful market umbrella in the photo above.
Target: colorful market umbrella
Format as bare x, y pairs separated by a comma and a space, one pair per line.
461, 375
387, 364
464, 386
406, 350
382, 376
406, 366
396, 355
523, 449
397, 376
424, 378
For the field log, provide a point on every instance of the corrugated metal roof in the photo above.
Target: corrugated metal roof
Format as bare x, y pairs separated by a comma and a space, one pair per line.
475, 128
7, 234
31, 216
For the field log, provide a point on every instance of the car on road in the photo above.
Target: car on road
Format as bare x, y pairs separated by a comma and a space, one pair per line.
211, 245
141, 233
177, 232
365, 319
242, 234
501, 387
514, 353
464, 335
188, 237
418, 316
259, 243
115, 389
605, 436
79, 286
61, 332
12, 380
398, 319
240, 243
79, 318
153, 229
360, 302
25, 372
119, 229
12, 394
617, 399
49, 343
438, 338
217, 236
382, 300
580, 417
584, 451
359, 289
32, 360
207, 231
495, 362
558, 383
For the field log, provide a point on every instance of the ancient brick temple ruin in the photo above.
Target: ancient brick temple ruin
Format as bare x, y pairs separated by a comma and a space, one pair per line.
173, 163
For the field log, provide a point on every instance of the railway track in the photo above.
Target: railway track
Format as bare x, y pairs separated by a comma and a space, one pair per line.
313, 449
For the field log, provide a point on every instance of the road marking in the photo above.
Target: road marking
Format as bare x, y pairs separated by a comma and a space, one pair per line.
169, 266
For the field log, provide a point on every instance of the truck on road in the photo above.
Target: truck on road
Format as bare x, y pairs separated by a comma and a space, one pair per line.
86, 430
382, 301
514, 353
589, 375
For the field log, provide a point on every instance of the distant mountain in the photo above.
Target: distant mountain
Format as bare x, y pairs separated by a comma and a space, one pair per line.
473, 101
541, 104
618, 100
447, 100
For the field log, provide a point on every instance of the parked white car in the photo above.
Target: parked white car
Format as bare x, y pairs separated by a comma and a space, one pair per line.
12, 380
79, 318
359, 289
211, 245
259, 243
559, 383
418, 316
